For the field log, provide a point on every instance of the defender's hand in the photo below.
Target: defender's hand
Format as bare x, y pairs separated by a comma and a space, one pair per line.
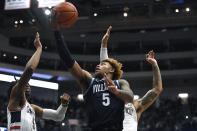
110, 85
150, 58
37, 42
106, 37
65, 99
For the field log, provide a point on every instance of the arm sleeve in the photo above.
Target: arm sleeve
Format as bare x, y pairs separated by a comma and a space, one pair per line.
56, 115
63, 50
103, 54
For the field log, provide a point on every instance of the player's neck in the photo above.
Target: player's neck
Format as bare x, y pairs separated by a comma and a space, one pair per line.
109, 75
100, 76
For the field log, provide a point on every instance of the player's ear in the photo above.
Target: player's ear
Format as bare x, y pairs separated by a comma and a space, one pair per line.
112, 70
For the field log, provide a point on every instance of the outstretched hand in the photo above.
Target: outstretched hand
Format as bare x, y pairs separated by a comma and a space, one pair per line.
54, 23
106, 37
110, 85
37, 42
65, 99
150, 58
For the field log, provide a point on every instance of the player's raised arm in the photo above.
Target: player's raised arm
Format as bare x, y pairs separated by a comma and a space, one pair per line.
148, 99
103, 49
83, 77
50, 114
19, 88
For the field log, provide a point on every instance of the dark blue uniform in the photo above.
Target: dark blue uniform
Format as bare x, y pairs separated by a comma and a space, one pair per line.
105, 110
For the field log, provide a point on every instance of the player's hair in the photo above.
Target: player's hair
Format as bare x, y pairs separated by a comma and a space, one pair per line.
117, 68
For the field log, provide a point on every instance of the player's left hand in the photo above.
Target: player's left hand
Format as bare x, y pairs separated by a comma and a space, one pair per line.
37, 42
106, 37
65, 99
110, 85
150, 58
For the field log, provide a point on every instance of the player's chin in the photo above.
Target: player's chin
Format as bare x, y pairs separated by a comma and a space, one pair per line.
98, 75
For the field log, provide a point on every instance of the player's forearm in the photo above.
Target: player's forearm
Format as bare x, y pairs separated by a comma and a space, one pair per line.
63, 51
29, 69
103, 44
157, 80
56, 115
33, 62
126, 96
103, 54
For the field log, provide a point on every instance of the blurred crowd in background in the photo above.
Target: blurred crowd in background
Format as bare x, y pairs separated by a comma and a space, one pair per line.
163, 115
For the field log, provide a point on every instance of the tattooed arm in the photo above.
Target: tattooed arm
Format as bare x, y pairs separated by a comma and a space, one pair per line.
148, 99
125, 93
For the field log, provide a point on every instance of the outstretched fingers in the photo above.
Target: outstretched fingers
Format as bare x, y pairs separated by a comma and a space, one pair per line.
150, 54
108, 81
109, 30
37, 36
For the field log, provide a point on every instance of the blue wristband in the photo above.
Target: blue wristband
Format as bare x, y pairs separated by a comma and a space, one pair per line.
63, 51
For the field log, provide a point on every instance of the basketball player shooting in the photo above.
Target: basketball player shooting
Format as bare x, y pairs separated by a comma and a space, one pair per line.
104, 93
134, 109
20, 113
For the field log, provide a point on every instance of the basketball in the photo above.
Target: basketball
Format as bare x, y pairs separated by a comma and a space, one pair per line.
66, 13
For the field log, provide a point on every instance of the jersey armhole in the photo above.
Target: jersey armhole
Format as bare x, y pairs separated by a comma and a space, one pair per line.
88, 87
117, 83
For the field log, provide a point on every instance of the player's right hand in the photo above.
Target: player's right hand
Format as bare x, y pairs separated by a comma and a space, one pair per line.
110, 85
106, 37
65, 99
37, 42
150, 57
54, 22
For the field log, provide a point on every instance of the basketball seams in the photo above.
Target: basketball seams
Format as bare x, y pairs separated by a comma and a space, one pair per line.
68, 19
68, 11
62, 8
67, 14
66, 24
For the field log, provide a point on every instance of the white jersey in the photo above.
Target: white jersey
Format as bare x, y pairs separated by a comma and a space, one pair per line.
130, 121
22, 120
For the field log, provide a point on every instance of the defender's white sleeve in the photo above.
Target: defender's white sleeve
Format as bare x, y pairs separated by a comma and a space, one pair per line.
103, 54
56, 115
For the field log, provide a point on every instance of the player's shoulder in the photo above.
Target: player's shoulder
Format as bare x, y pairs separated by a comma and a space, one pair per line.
123, 81
88, 73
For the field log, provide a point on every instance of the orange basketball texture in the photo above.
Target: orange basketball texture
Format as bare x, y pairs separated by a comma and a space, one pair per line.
66, 14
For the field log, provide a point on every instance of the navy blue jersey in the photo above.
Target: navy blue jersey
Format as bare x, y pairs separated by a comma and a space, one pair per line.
103, 107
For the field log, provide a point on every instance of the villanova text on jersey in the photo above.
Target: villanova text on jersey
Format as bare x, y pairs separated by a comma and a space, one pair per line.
99, 87
104, 108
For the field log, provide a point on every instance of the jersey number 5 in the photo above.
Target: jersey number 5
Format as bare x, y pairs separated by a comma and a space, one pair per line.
106, 100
